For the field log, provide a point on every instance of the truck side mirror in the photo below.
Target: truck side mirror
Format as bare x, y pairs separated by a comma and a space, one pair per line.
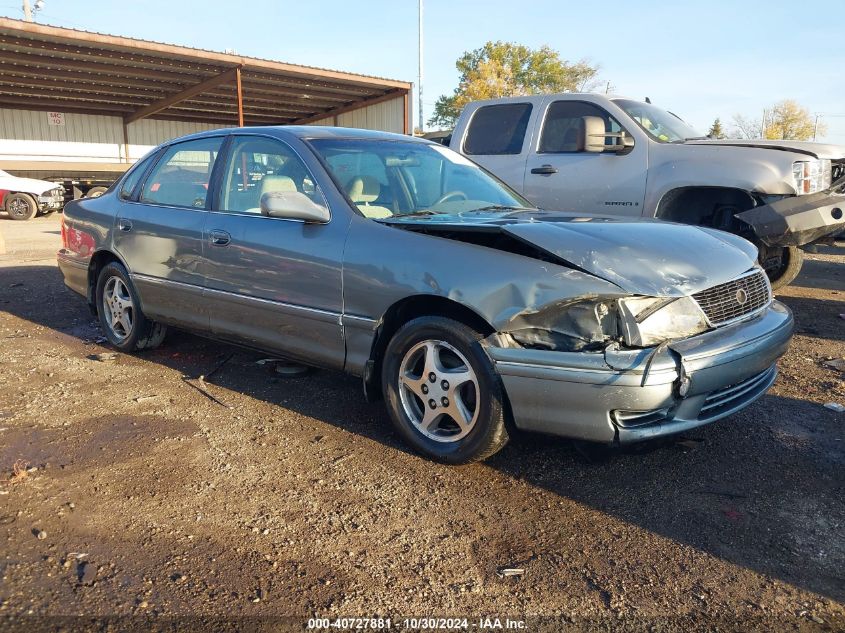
592, 137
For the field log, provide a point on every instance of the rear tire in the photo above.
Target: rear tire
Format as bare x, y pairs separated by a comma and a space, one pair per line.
96, 192
442, 392
21, 206
119, 311
784, 273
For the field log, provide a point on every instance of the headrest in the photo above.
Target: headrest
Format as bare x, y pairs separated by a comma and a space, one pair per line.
363, 189
277, 183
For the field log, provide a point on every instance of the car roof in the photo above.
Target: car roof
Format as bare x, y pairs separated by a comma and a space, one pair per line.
305, 132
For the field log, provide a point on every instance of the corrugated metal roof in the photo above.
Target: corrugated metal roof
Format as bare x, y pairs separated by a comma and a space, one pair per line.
195, 49
48, 67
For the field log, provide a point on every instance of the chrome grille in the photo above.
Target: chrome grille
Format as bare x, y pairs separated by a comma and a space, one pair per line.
735, 299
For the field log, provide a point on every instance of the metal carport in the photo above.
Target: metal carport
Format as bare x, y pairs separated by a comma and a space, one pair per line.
46, 67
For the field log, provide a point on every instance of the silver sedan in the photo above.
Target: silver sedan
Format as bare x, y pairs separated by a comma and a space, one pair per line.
468, 310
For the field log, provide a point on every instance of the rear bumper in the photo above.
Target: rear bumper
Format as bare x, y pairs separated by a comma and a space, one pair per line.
74, 270
617, 396
797, 220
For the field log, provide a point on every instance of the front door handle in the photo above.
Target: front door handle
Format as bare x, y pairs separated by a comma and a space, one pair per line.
545, 170
124, 225
219, 238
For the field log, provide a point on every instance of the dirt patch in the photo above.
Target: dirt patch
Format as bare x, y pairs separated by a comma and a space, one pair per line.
154, 500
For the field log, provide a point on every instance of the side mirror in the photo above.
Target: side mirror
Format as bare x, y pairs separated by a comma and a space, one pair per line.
292, 205
592, 137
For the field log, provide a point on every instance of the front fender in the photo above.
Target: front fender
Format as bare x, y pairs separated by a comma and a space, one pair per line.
745, 169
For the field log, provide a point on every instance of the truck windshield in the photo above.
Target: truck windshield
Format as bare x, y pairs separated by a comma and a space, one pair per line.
658, 124
385, 178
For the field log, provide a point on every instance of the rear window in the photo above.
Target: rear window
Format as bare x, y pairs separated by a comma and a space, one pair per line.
498, 129
127, 186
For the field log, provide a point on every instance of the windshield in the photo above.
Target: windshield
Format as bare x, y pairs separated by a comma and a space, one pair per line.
386, 179
658, 124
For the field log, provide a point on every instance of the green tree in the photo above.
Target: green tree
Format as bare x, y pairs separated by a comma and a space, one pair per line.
506, 69
788, 120
716, 130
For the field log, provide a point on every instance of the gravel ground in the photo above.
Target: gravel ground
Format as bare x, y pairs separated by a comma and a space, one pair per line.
142, 496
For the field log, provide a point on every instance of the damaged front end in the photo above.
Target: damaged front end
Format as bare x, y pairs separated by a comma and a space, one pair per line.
626, 369
591, 324
801, 219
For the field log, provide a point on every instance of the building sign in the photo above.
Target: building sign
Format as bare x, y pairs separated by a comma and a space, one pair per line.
56, 118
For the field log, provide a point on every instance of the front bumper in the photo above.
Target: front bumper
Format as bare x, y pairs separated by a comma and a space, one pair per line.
51, 203
633, 395
797, 220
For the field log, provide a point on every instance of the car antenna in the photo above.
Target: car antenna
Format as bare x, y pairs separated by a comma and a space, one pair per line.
647, 100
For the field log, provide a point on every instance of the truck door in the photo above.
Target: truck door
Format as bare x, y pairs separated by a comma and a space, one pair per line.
498, 139
561, 175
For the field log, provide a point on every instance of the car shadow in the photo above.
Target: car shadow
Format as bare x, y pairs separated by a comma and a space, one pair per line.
819, 318
762, 489
820, 274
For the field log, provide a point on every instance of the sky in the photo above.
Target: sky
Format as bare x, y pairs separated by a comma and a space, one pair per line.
701, 60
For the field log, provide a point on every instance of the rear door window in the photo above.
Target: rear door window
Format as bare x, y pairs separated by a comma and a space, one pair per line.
498, 129
181, 178
128, 185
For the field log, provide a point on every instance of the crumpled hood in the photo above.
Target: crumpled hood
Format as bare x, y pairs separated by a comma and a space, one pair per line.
643, 257
647, 258
26, 185
818, 150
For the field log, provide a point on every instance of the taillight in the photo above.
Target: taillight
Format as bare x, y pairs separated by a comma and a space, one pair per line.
64, 232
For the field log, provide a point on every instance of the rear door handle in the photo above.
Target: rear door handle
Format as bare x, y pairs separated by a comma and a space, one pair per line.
219, 238
545, 170
124, 225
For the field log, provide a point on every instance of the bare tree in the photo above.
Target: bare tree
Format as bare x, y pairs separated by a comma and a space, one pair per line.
745, 128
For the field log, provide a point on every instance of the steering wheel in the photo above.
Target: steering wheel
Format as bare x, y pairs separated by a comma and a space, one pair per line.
457, 195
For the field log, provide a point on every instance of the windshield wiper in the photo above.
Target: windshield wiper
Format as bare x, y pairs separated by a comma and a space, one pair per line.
503, 207
418, 213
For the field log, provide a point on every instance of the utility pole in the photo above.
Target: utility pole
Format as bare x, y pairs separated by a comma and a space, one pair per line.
27, 11
420, 76
816, 127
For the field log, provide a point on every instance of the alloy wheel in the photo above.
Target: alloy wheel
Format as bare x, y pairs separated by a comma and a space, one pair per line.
18, 207
118, 308
439, 391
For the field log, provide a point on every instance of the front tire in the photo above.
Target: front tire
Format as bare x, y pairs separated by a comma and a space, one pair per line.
782, 268
119, 310
442, 392
21, 206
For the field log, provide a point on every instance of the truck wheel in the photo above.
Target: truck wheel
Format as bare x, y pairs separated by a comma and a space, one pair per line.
783, 269
443, 393
21, 206
96, 192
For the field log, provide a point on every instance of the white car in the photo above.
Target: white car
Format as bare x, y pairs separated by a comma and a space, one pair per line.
24, 198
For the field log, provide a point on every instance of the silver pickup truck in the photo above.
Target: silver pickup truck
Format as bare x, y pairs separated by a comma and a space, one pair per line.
595, 154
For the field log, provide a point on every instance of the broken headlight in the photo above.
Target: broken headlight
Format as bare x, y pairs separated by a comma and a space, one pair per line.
572, 327
811, 176
647, 321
